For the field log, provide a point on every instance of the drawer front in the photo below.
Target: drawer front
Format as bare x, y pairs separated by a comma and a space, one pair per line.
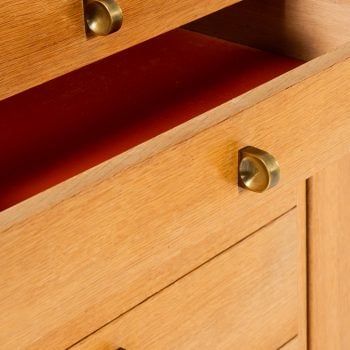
41, 39
246, 298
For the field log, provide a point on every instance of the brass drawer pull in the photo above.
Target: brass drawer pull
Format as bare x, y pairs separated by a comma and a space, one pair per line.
258, 170
103, 16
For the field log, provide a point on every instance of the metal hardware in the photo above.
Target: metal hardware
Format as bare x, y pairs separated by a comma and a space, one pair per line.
103, 16
258, 170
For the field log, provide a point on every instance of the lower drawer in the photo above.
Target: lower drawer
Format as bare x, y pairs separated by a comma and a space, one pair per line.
245, 298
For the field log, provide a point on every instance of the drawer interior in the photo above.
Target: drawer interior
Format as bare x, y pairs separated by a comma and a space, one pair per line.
68, 125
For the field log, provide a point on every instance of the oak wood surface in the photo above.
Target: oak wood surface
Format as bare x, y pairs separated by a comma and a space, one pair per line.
301, 341
329, 259
299, 28
72, 269
42, 39
297, 85
332, 140
245, 298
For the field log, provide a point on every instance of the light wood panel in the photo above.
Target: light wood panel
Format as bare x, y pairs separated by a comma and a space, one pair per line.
329, 259
72, 269
246, 298
42, 39
300, 28
298, 86
300, 342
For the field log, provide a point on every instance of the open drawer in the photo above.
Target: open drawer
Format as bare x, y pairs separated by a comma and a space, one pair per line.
150, 193
155, 95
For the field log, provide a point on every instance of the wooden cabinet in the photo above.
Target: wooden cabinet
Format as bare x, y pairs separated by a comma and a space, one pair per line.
123, 224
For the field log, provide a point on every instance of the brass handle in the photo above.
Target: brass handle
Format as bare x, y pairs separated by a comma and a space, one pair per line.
103, 16
258, 170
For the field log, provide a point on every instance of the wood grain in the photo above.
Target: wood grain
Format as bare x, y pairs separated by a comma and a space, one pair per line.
297, 83
299, 28
246, 298
42, 39
300, 342
329, 260
74, 268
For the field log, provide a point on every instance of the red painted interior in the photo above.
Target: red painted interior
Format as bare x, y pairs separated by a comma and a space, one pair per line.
65, 126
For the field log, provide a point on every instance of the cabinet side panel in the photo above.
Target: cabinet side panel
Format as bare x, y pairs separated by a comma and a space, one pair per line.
329, 259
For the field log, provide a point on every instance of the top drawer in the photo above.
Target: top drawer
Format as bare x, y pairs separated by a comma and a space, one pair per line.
44, 39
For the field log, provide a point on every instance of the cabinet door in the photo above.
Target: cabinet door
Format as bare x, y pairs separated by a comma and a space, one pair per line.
329, 257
